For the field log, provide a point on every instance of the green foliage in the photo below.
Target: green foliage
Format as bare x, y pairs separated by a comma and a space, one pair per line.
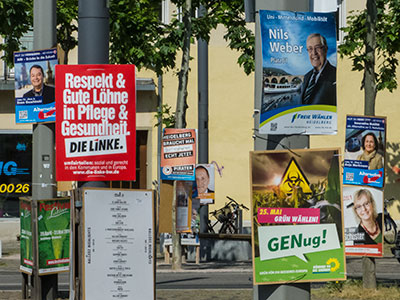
67, 13
167, 117
387, 42
138, 36
15, 20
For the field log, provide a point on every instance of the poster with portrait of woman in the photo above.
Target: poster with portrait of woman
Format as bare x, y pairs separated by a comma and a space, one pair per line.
363, 221
364, 155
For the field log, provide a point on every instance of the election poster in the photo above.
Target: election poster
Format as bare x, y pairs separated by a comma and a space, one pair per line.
183, 206
204, 186
365, 147
96, 123
118, 247
363, 221
54, 225
298, 73
297, 231
178, 154
34, 86
26, 250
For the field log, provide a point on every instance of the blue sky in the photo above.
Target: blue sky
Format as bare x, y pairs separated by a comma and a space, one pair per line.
297, 29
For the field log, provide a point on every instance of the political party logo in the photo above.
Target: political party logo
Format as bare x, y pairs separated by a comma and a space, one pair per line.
294, 177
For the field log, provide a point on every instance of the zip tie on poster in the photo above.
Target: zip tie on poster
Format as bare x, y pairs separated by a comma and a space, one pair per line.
278, 143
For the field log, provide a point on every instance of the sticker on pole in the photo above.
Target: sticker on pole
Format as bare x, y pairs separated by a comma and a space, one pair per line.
95, 125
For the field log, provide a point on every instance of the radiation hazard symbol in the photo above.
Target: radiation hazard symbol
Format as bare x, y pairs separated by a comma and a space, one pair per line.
292, 177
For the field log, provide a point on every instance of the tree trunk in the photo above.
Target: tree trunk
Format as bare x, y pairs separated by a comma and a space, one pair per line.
181, 103
180, 117
368, 263
369, 72
369, 273
176, 237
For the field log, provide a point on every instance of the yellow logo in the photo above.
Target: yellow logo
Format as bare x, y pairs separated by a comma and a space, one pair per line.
335, 263
292, 177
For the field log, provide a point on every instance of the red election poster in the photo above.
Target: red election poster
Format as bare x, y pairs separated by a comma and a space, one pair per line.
95, 123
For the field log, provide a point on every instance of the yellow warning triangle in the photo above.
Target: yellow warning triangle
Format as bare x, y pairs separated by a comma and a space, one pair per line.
293, 176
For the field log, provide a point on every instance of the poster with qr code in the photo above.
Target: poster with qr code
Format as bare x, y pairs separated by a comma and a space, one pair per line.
298, 73
364, 153
35, 86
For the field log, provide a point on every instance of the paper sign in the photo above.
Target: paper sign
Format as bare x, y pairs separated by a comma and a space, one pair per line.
95, 125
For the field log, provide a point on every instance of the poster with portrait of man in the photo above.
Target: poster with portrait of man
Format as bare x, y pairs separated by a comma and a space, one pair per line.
364, 154
35, 86
363, 221
298, 73
204, 186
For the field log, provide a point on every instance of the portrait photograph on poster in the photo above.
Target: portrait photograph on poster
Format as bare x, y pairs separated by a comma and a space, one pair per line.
204, 186
35, 86
297, 229
299, 73
365, 147
363, 221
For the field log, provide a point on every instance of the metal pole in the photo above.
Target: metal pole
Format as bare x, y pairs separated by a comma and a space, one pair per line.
43, 169
93, 42
93, 48
263, 142
203, 113
93, 32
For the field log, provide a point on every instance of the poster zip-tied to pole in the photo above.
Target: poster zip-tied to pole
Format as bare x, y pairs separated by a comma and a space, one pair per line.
299, 73
118, 241
297, 231
96, 122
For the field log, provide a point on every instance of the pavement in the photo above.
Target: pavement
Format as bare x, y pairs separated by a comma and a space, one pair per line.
387, 271
387, 267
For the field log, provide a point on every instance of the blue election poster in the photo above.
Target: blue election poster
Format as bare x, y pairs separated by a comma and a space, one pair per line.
35, 86
364, 155
299, 73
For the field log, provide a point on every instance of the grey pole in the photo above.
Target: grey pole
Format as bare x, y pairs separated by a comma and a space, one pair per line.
43, 168
298, 291
93, 42
93, 48
93, 32
202, 52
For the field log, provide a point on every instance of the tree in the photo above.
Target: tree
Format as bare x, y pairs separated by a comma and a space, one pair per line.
138, 36
374, 32
67, 20
15, 20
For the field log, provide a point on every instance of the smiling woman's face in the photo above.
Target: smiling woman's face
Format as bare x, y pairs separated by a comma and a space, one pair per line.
369, 143
364, 208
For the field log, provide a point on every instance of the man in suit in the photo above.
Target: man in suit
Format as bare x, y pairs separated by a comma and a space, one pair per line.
39, 88
319, 84
202, 180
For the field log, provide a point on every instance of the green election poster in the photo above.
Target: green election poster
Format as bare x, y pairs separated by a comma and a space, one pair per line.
297, 226
26, 263
53, 235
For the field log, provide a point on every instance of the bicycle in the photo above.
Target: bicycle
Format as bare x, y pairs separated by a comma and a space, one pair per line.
390, 233
227, 216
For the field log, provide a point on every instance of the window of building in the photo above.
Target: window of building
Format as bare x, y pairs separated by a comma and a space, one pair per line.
15, 171
337, 6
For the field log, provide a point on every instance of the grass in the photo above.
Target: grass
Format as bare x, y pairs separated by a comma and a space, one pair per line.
353, 289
